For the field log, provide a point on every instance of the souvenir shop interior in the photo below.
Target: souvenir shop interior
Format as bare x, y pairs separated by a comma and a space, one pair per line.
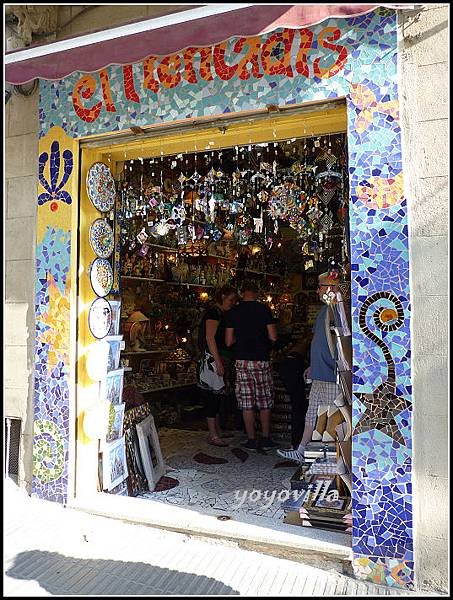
185, 224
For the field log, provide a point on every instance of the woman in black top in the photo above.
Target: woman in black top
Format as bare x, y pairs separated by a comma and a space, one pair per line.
212, 340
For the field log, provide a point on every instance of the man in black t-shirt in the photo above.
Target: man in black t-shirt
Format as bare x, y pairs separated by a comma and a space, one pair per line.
251, 327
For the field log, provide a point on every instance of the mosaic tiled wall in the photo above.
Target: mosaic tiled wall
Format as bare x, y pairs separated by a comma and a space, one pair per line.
52, 340
354, 58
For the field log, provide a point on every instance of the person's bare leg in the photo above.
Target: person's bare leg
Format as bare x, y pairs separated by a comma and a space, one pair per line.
212, 428
265, 418
306, 436
249, 422
217, 426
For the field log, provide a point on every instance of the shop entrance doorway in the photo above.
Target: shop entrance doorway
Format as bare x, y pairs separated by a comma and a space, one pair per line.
265, 200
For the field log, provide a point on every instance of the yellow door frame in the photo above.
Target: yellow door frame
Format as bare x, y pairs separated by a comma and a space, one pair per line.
268, 128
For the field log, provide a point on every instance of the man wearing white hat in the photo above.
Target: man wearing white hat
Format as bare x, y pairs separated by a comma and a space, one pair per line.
324, 388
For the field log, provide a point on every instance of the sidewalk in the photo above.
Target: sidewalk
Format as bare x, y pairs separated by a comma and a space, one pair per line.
51, 550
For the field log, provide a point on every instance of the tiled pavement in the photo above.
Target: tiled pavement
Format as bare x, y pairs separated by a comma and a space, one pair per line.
51, 550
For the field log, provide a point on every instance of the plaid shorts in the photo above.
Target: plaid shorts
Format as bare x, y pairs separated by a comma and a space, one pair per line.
322, 393
254, 384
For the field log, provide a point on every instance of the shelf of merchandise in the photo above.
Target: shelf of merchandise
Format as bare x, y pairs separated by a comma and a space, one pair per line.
133, 278
171, 387
188, 254
260, 272
144, 352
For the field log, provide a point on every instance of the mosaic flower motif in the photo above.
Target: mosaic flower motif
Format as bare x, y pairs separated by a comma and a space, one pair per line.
379, 192
57, 320
53, 188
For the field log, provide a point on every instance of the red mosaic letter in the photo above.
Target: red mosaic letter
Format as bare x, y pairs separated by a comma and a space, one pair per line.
306, 39
149, 81
273, 65
129, 86
252, 57
223, 70
85, 87
106, 92
327, 35
205, 64
168, 71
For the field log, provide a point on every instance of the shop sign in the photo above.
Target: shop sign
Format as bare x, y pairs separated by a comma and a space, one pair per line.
287, 53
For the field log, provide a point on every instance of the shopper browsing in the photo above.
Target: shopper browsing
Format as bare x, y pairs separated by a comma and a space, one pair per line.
251, 327
324, 388
216, 357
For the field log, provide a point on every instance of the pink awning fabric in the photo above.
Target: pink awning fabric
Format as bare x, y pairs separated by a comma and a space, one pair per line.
205, 31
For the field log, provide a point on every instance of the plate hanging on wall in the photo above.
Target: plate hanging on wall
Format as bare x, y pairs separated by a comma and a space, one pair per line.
101, 187
101, 238
100, 318
101, 277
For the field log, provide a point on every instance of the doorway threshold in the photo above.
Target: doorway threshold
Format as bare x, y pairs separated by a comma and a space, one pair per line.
308, 545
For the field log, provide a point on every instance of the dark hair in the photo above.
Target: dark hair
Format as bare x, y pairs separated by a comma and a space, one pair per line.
250, 286
223, 292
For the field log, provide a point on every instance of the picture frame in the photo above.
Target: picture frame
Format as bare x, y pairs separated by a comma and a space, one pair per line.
115, 306
114, 464
115, 424
111, 388
116, 344
151, 455
136, 482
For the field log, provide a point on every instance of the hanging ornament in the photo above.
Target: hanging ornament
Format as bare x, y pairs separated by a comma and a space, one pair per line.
178, 214
182, 235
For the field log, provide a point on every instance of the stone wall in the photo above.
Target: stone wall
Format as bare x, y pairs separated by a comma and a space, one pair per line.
424, 99
21, 184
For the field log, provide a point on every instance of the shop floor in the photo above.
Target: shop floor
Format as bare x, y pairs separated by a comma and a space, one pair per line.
230, 481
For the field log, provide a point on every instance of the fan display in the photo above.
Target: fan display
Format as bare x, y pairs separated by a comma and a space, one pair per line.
101, 187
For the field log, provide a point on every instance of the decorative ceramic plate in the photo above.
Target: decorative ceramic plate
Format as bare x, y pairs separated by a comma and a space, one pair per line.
101, 187
101, 277
101, 238
100, 318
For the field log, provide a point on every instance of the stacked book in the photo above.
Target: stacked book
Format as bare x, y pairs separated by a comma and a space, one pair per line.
319, 505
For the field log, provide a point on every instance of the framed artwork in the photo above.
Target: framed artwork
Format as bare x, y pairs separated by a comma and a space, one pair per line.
112, 386
136, 481
115, 425
115, 306
151, 455
114, 465
115, 343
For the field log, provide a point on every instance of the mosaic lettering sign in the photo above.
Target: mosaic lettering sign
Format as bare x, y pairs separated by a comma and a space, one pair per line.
354, 58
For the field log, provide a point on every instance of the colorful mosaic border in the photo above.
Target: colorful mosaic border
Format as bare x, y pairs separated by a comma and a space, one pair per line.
353, 58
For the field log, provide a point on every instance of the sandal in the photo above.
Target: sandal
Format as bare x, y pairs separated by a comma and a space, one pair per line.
217, 442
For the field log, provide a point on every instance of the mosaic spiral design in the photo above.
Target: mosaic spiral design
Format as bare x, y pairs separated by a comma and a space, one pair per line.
48, 451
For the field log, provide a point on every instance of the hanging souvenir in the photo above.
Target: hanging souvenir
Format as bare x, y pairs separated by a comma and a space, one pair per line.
216, 235
101, 238
326, 222
162, 228
142, 236
178, 214
101, 277
101, 187
144, 250
199, 232
182, 235
100, 318
191, 231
